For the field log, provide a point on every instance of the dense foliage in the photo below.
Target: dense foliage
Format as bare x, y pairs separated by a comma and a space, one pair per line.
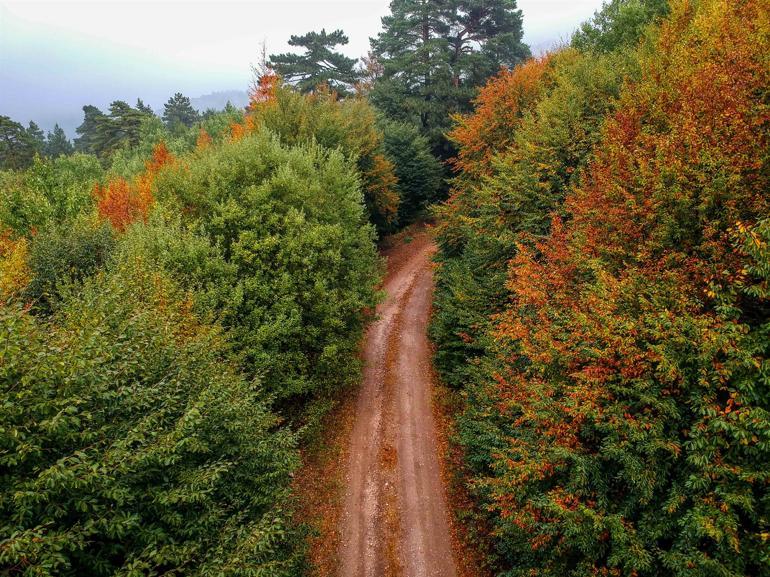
433, 55
129, 447
419, 173
349, 125
603, 298
175, 316
294, 256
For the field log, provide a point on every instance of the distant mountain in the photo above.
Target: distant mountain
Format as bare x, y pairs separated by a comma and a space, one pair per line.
218, 100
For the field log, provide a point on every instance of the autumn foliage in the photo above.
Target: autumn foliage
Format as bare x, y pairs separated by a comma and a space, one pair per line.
321, 117
618, 414
14, 271
121, 202
498, 112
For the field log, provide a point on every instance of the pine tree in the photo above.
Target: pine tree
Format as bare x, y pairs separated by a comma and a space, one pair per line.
435, 54
178, 111
17, 148
57, 144
36, 136
319, 65
92, 117
142, 107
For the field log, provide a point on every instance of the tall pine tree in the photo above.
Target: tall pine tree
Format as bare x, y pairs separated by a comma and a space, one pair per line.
86, 141
17, 148
319, 64
178, 112
435, 54
57, 144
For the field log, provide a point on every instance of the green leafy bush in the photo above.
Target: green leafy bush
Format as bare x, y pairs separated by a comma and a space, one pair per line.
289, 235
51, 190
129, 445
349, 126
62, 253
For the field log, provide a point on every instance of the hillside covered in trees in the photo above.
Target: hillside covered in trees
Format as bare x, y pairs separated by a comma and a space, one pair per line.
183, 295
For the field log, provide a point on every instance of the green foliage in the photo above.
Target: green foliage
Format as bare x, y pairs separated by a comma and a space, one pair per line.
51, 190
319, 65
64, 253
179, 113
36, 137
86, 139
299, 265
217, 123
131, 447
419, 173
619, 23
57, 144
348, 125
17, 146
434, 55
103, 134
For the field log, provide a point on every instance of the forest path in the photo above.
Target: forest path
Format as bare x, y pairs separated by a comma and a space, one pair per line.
395, 518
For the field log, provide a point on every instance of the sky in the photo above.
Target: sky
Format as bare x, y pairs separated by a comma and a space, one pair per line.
57, 56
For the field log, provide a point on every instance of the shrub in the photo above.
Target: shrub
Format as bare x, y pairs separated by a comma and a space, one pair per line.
50, 191
129, 444
291, 228
66, 253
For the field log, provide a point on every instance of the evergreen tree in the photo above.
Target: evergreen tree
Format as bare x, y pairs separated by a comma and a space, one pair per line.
320, 64
179, 112
57, 144
120, 127
436, 53
17, 147
141, 106
36, 136
419, 173
86, 140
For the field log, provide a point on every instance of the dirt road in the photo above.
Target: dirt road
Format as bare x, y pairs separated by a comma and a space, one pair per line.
395, 515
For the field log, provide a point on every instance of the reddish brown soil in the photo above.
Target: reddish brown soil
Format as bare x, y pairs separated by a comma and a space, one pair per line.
395, 519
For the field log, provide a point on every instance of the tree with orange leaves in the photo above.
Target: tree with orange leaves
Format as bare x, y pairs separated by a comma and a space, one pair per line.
620, 421
121, 202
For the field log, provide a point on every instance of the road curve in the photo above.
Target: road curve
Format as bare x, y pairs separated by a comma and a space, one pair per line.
395, 514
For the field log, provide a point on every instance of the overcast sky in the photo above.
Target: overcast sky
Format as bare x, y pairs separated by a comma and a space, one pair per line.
57, 56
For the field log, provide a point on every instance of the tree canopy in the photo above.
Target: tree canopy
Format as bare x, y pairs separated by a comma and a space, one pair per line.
178, 111
434, 55
318, 65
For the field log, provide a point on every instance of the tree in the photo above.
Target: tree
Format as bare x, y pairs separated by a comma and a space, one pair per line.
92, 117
435, 54
102, 134
141, 106
121, 127
611, 242
36, 136
319, 65
179, 112
57, 144
17, 147
418, 172
618, 23
348, 125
